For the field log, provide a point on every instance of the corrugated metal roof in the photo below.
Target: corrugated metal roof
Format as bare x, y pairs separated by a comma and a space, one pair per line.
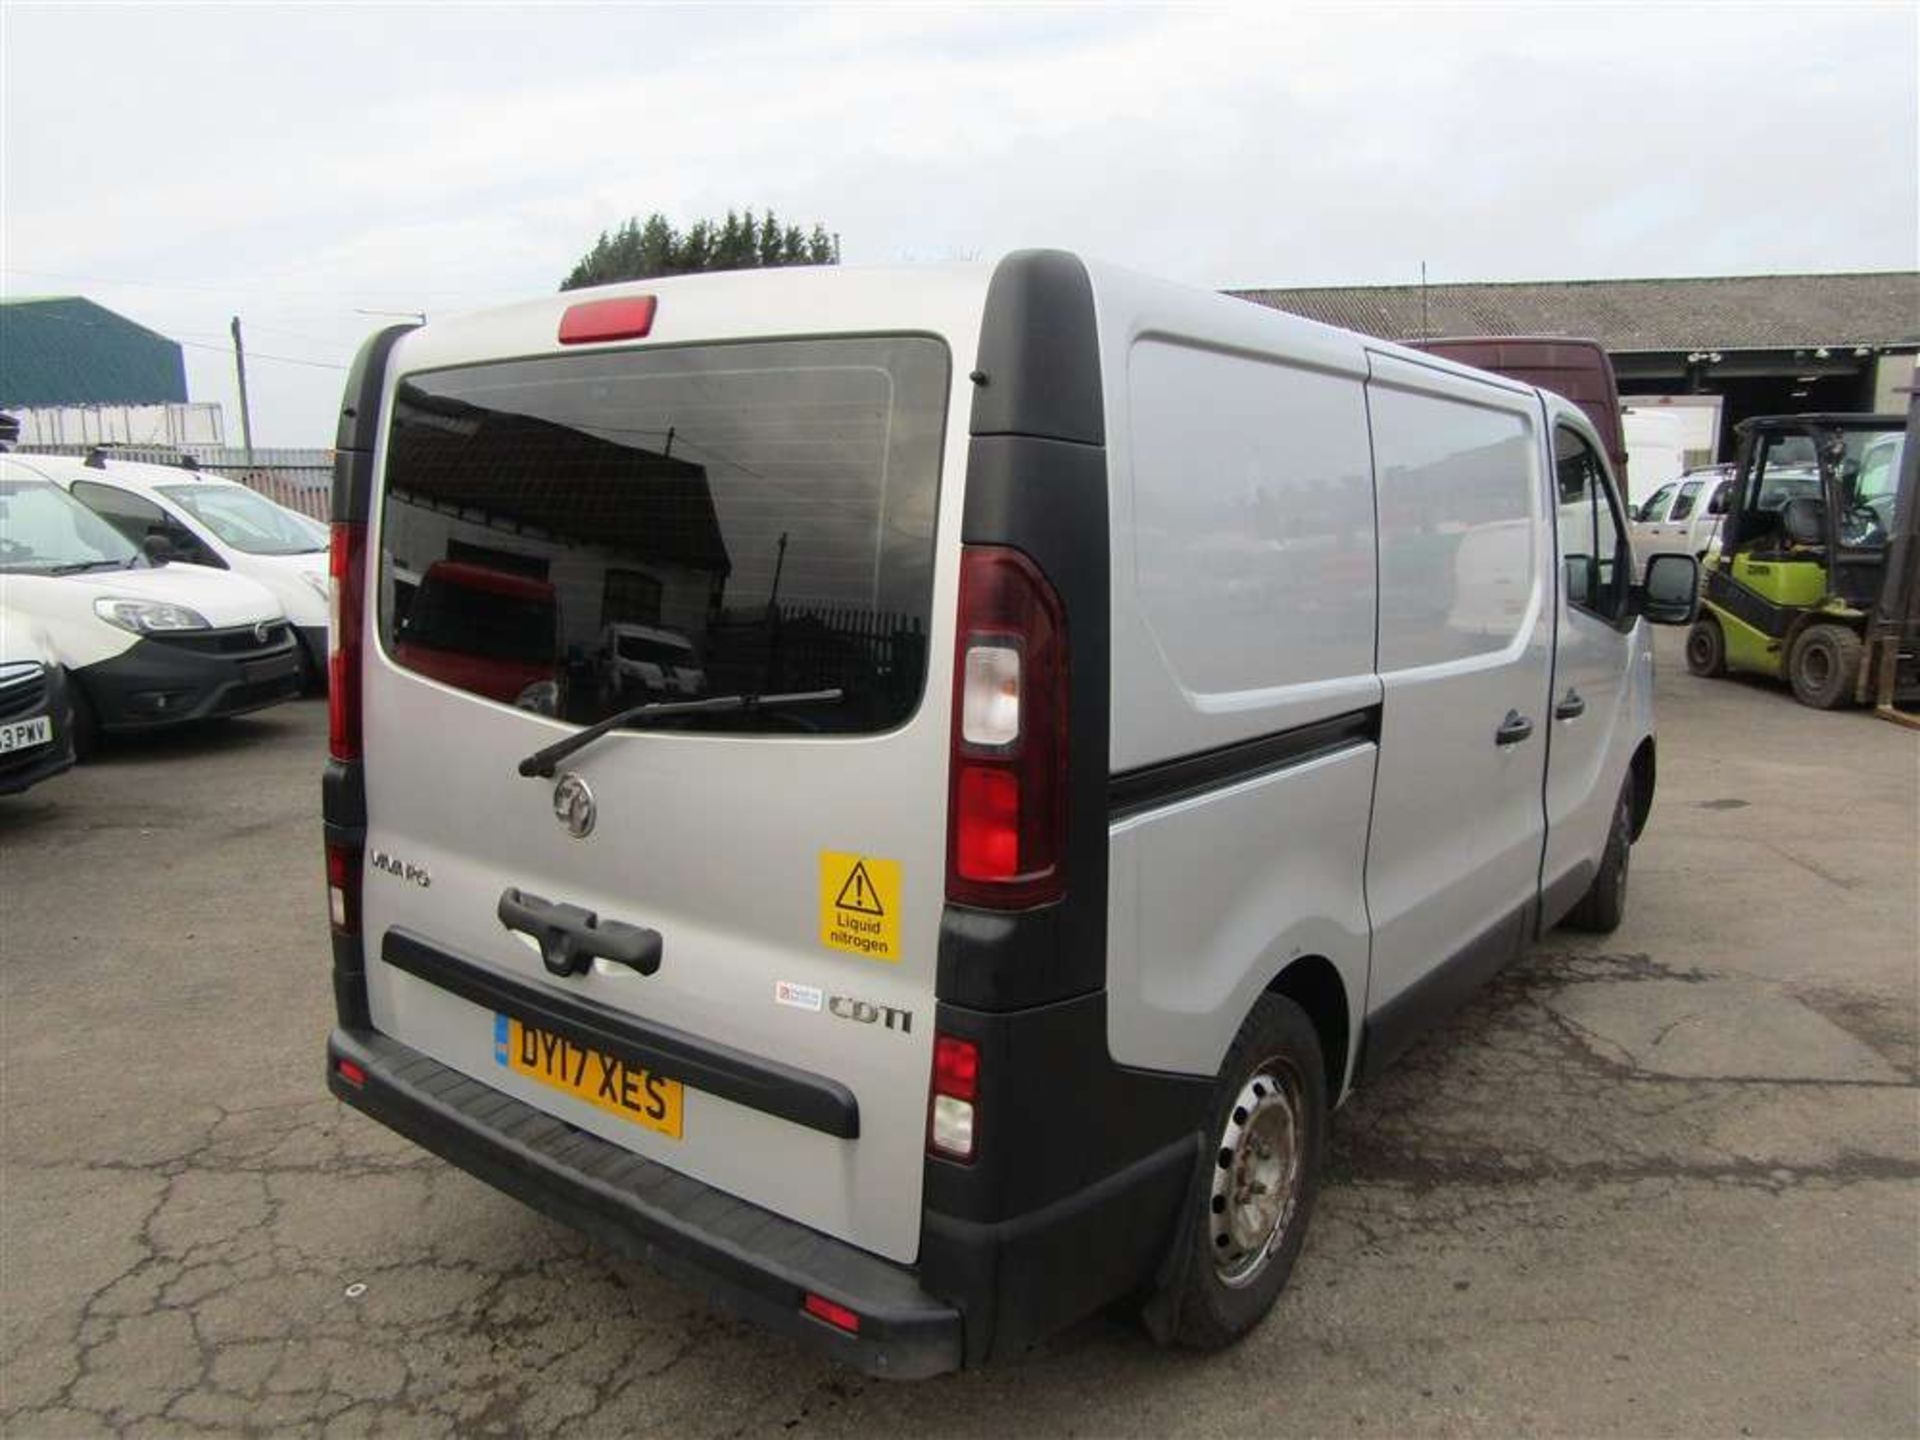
1732, 312
66, 350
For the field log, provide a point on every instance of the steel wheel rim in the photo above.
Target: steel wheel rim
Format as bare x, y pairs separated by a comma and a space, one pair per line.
1700, 648
1256, 1173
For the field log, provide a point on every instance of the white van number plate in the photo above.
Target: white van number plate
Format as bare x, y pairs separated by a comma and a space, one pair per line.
25, 734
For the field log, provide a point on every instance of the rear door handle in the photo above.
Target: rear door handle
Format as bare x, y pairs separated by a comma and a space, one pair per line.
570, 938
1515, 728
1571, 708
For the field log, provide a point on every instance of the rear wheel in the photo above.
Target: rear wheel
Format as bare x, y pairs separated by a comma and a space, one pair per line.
1707, 648
1604, 906
1823, 666
1255, 1193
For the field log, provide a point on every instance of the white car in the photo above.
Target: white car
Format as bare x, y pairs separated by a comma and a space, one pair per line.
142, 645
1683, 516
208, 521
36, 726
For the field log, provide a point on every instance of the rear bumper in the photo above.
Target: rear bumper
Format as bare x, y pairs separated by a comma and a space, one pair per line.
156, 682
750, 1260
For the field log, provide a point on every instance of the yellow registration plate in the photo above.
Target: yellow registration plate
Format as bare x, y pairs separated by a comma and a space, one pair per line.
620, 1089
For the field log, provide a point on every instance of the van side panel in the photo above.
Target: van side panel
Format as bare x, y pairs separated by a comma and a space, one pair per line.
1245, 703
1465, 652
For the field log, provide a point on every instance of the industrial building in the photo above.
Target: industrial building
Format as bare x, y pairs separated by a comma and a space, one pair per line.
76, 373
1715, 349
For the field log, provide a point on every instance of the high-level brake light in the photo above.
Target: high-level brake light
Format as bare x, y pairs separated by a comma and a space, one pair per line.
626, 318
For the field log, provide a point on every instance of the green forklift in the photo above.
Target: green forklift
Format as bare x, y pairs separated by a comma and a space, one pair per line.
1813, 578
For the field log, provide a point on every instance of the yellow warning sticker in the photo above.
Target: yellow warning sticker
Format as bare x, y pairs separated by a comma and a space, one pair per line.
860, 905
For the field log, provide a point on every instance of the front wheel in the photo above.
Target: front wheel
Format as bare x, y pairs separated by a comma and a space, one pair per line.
1707, 648
85, 725
1822, 667
1255, 1191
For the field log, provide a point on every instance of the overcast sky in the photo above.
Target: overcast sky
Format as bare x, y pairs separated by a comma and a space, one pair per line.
292, 164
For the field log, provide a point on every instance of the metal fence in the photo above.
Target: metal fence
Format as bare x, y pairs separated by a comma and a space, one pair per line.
301, 480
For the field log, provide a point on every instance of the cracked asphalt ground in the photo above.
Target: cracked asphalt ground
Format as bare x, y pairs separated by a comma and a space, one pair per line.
1665, 1183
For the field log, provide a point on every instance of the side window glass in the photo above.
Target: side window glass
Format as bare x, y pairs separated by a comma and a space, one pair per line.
132, 516
1718, 505
1591, 539
1656, 506
1683, 503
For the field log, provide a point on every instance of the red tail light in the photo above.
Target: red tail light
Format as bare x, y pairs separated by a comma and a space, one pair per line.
343, 888
1007, 807
950, 1108
346, 637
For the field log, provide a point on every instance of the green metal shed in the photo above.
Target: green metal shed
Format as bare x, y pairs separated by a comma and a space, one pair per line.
65, 350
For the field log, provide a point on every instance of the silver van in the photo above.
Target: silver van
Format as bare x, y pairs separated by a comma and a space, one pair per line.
1128, 716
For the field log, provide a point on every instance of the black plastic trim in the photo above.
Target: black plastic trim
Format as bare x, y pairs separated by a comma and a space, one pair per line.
750, 1260
343, 797
792, 1094
1747, 605
1061, 1127
359, 429
1039, 362
1133, 792
1037, 481
205, 685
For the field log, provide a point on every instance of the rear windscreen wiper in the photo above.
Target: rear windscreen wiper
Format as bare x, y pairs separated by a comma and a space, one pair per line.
542, 762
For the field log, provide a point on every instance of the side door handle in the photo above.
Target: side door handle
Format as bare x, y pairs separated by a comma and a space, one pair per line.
1515, 728
1571, 708
571, 938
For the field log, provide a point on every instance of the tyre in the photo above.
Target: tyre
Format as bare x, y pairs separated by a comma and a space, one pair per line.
1604, 906
1823, 666
1707, 648
1254, 1196
85, 725
313, 669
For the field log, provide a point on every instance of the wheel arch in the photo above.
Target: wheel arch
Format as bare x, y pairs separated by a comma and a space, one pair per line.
1313, 983
1643, 770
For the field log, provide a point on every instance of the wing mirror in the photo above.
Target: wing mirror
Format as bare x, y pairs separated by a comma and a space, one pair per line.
157, 548
1670, 593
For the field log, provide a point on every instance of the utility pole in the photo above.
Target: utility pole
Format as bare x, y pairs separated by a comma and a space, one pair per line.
240, 369
1426, 330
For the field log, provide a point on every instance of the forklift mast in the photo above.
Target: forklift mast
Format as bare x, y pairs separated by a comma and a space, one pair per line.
1893, 629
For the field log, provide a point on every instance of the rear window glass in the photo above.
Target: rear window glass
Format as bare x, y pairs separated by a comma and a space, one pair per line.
752, 519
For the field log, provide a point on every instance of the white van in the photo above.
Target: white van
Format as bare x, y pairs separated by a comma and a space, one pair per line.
1130, 716
141, 645
641, 660
204, 520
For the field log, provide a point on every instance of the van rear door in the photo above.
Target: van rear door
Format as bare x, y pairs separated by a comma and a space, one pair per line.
770, 507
